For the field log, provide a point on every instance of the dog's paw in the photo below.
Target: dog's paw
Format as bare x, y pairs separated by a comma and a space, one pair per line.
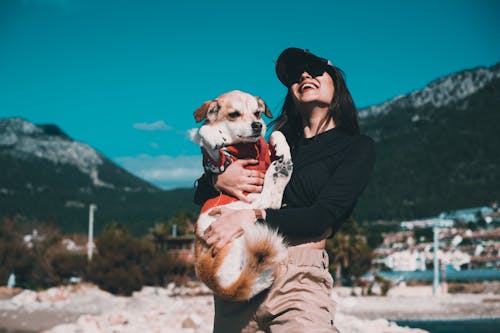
278, 142
212, 138
277, 176
281, 168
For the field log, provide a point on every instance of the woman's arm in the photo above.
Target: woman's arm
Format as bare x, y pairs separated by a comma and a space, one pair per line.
337, 199
332, 207
204, 189
234, 181
228, 226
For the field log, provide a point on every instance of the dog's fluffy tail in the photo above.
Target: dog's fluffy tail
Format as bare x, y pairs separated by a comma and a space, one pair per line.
265, 249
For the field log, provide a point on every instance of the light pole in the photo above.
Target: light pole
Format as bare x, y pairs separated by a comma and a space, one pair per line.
435, 230
90, 243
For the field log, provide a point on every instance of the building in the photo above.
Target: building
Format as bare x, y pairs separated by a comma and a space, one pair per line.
426, 223
406, 260
419, 260
181, 247
468, 214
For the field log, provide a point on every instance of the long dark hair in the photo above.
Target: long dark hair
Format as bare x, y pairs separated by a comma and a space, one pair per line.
342, 110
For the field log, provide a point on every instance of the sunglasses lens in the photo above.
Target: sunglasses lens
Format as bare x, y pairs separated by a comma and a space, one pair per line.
314, 69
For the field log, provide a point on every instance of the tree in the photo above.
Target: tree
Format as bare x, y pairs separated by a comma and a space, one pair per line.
121, 262
350, 253
184, 221
27, 250
14, 255
159, 234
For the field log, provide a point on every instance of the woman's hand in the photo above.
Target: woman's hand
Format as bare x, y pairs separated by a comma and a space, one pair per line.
227, 227
236, 180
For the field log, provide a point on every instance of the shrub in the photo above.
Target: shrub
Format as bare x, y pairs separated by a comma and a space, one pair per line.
385, 285
67, 265
118, 266
469, 288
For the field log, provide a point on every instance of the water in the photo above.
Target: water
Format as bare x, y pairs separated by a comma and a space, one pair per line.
489, 325
451, 275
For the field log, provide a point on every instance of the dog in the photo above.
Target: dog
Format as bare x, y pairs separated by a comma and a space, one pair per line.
233, 128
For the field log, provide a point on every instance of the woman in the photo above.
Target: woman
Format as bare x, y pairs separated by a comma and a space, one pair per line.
332, 165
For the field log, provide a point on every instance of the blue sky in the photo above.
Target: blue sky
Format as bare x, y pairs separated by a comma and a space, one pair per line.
125, 76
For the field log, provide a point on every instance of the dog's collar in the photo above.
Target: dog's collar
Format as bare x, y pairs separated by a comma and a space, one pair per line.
258, 150
212, 166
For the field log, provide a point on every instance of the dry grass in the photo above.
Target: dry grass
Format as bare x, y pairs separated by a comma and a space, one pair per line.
492, 287
491, 300
6, 291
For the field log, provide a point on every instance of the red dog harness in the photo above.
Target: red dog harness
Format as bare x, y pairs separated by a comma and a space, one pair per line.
259, 150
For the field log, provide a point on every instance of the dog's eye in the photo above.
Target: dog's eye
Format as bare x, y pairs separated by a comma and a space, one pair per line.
257, 114
234, 114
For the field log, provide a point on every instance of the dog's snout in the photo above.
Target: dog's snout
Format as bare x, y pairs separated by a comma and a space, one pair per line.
256, 126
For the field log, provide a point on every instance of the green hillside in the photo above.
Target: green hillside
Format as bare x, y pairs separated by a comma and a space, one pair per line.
431, 160
49, 178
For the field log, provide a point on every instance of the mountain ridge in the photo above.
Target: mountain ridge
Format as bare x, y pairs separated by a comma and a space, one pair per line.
26, 141
435, 157
437, 150
51, 177
439, 92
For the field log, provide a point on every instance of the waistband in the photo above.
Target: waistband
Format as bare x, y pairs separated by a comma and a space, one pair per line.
304, 256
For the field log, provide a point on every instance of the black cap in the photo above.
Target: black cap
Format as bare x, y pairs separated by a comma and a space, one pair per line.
293, 57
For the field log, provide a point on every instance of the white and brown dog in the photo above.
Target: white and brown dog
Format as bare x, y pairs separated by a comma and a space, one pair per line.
233, 128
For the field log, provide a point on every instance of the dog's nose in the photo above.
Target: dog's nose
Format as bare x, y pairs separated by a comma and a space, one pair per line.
256, 126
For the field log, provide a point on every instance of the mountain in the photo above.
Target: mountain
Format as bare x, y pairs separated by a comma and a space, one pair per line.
437, 148
49, 177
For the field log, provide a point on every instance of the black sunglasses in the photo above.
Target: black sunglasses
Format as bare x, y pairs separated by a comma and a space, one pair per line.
314, 69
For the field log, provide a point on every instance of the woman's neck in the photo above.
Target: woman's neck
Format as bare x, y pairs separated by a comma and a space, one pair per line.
314, 122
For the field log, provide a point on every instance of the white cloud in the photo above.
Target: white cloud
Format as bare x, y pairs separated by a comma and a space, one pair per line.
193, 134
155, 126
164, 171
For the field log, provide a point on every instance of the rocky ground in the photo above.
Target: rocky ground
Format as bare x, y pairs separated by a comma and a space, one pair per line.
406, 303
84, 308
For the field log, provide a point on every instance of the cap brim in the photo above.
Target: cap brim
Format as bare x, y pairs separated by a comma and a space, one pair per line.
292, 58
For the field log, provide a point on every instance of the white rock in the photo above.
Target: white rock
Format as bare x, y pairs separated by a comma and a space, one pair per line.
25, 297
151, 310
192, 321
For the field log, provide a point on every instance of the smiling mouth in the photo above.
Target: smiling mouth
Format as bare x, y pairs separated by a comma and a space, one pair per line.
307, 86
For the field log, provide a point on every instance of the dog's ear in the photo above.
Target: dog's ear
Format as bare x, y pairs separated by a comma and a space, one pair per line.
263, 107
204, 111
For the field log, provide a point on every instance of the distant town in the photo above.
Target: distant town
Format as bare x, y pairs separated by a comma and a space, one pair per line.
468, 242
468, 238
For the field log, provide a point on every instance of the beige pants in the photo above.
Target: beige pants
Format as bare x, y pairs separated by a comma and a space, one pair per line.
299, 300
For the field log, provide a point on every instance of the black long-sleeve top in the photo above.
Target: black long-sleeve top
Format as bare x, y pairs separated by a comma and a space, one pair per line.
330, 171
